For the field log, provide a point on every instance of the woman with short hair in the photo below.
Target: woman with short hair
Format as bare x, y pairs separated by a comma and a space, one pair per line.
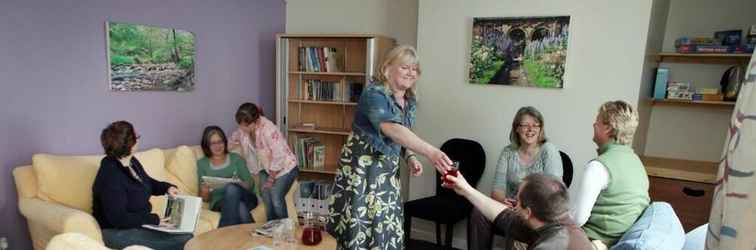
121, 194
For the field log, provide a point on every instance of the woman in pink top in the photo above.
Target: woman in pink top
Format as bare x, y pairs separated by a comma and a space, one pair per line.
268, 154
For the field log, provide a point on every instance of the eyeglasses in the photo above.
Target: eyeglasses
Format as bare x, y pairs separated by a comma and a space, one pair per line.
529, 126
217, 143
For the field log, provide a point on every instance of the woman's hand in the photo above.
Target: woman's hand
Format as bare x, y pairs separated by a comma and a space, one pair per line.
416, 168
165, 224
172, 192
440, 160
204, 192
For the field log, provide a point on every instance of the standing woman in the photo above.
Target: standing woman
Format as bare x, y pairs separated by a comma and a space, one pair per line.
365, 208
268, 154
121, 193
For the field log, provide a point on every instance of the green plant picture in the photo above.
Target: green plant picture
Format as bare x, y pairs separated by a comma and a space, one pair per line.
519, 51
143, 58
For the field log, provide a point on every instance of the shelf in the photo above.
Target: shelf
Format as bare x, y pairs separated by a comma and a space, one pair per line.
696, 171
328, 73
692, 103
329, 131
323, 102
318, 171
703, 58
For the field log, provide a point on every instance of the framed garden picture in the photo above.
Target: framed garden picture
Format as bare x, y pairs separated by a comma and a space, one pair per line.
143, 58
519, 51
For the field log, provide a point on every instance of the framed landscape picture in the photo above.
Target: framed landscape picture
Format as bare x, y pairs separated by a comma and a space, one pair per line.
519, 51
144, 58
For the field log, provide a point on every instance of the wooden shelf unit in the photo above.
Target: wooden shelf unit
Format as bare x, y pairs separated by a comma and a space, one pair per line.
678, 102
357, 60
685, 184
703, 58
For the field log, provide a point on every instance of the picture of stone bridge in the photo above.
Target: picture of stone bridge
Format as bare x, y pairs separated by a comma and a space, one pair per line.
521, 51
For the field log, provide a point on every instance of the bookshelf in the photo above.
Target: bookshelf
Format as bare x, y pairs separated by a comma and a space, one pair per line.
318, 81
724, 104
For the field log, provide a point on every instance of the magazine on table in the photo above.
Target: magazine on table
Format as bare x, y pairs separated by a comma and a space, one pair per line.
182, 212
218, 182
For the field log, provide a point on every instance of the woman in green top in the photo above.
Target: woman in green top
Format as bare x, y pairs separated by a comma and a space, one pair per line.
235, 200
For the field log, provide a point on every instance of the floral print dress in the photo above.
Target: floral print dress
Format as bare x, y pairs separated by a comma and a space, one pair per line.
366, 208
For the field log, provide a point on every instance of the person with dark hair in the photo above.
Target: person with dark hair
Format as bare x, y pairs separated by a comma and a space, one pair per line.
234, 200
121, 193
268, 154
529, 153
540, 218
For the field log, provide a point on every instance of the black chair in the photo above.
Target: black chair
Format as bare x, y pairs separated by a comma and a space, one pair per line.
567, 167
446, 207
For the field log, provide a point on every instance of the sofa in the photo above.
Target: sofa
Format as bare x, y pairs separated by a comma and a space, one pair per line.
55, 192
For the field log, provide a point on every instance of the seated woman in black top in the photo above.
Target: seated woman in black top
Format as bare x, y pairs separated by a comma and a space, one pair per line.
121, 193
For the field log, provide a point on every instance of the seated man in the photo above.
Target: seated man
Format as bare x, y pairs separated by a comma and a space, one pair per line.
613, 191
540, 216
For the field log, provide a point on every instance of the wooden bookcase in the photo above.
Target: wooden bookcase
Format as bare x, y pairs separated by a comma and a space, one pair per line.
345, 61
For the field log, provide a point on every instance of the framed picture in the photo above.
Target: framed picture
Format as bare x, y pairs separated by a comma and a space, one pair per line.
147, 58
519, 51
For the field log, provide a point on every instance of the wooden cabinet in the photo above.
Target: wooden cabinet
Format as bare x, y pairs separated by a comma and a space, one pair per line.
317, 76
687, 185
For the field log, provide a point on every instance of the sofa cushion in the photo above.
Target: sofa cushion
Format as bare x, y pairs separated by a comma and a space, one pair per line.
182, 164
153, 161
657, 228
66, 179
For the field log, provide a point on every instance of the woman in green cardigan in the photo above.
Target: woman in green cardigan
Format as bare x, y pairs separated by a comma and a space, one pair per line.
235, 200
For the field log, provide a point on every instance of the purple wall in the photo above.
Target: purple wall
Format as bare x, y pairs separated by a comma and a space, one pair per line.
54, 88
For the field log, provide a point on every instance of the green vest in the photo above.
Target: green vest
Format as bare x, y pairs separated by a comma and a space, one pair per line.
625, 197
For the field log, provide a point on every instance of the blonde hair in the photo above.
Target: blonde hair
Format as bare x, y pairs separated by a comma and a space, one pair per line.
399, 55
622, 118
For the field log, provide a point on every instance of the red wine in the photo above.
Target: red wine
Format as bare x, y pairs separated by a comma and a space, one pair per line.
311, 236
452, 172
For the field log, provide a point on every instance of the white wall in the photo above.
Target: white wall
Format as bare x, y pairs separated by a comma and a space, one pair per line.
394, 18
604, 62
696, 133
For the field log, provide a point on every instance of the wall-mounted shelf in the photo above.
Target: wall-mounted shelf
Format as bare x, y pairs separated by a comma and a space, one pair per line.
328, 73
675, 102
703, 58
688, 170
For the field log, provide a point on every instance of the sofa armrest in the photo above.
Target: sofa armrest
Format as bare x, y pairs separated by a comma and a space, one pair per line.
57, 219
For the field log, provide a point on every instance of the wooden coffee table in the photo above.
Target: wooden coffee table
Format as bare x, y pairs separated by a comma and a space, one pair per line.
241, 237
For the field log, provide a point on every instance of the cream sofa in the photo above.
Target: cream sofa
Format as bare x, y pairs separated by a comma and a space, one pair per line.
55, 192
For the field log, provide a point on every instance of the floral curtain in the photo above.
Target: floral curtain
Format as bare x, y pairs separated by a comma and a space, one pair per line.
733, 215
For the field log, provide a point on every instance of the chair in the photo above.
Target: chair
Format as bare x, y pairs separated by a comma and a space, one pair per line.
567, 168
446, 207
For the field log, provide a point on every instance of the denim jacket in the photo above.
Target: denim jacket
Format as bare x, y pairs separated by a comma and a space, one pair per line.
377, 105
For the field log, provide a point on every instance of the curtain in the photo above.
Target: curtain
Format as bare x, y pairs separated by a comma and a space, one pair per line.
732, 221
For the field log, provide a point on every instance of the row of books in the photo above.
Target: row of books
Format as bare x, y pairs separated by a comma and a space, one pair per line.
310, 152
322, 90
319, 59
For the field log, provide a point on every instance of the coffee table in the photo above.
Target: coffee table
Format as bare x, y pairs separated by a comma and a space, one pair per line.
241, 237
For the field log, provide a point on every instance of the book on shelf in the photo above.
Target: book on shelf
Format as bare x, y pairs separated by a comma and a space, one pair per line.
319, 59
310, 152
182, 212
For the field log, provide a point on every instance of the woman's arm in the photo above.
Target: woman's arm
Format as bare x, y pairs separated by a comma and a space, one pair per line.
204, 189
553, 162
585, 193
243, 173
499, 192
405, 137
